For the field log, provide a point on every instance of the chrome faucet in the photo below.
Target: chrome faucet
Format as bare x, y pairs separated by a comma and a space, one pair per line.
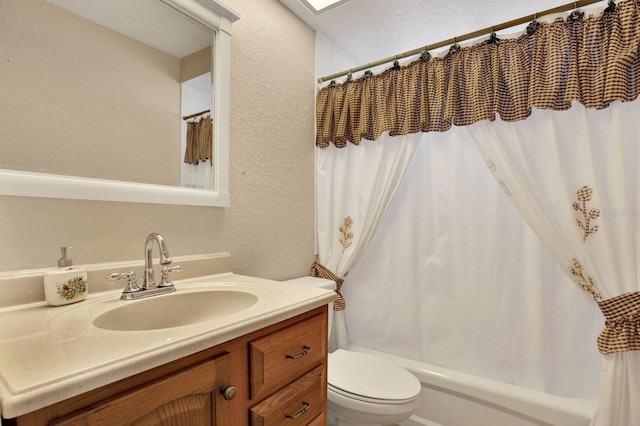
149, 281
149, 286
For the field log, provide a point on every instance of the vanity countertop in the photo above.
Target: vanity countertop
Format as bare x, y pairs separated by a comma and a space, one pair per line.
48, 354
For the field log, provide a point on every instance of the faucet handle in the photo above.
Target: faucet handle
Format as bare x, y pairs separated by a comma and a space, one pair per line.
166, 282
132, 284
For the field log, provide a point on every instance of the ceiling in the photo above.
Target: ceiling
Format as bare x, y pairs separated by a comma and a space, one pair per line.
369, 30
148, 21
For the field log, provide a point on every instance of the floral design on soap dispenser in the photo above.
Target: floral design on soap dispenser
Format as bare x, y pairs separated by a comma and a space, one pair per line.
74, 287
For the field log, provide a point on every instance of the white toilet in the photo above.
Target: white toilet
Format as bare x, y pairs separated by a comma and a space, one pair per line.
363, 389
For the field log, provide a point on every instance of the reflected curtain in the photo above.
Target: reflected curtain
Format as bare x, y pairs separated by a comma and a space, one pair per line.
574, 177
196, 169
355, 186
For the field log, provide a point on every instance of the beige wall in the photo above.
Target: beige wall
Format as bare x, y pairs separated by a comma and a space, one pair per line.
269, 227
79, 99
196, 64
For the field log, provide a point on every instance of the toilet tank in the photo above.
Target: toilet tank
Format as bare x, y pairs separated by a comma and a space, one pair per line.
317, 283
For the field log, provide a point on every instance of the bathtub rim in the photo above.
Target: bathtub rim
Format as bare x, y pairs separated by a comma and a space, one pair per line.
530, 403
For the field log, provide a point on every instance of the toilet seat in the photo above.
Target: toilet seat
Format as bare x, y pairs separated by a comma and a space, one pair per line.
370, 400
370, 379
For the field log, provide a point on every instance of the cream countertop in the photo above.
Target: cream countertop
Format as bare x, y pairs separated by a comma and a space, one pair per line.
48, 354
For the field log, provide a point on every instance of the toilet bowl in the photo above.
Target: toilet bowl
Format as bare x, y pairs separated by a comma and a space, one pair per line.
368, 390
363, 389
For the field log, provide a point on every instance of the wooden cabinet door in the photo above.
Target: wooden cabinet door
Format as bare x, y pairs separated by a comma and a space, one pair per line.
187, 397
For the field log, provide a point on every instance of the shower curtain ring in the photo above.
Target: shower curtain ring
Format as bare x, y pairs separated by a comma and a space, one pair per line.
577, 14
611, 7
455, 47
533, 26
493, 38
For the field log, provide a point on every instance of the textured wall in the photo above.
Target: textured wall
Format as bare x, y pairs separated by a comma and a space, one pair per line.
269, 227
370, 30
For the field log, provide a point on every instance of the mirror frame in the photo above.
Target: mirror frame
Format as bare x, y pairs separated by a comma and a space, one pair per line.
216, 17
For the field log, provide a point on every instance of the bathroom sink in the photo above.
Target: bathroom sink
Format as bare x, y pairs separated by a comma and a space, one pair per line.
175, 310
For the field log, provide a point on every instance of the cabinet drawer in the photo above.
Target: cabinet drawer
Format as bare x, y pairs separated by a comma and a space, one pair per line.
297, 404
281, 357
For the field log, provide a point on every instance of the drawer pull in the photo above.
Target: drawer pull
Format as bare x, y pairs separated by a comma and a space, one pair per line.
301, 354
299, 413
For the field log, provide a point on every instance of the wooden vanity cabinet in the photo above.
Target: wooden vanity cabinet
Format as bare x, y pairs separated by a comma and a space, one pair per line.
187, 397
278, 374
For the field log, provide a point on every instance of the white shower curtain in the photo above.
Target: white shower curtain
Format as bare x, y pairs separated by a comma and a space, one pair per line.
524, 321
574, 176
454, 277
355, 186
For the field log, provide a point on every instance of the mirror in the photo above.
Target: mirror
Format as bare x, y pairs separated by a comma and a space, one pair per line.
90, 114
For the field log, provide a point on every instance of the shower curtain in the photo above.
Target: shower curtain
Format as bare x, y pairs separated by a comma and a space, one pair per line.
354, 188
574, 177
566, 195
454, 277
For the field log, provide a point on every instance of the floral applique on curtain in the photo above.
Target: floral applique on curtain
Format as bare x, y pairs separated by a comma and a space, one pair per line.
497, 176
580, 276
583, 280
345, 239
584, 195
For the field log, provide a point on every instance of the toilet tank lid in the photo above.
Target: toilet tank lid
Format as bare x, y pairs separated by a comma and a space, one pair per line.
313, 282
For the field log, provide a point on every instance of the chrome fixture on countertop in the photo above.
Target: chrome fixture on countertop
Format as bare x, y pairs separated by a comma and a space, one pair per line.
149, 286
149, 281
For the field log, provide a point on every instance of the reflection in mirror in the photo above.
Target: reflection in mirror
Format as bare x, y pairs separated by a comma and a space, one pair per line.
196, 132
95, 103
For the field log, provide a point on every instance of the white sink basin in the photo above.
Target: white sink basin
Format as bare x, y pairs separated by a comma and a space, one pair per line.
197, 306
175, 310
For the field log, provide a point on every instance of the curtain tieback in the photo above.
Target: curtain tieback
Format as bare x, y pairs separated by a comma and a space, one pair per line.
321, 271
622, 324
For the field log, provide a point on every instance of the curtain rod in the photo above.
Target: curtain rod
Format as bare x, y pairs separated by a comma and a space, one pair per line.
478, 33
186, 117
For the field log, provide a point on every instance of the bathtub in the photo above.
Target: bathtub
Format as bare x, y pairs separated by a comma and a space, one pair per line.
451, 398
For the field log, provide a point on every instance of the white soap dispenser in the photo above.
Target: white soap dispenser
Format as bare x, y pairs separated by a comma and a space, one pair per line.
66, 284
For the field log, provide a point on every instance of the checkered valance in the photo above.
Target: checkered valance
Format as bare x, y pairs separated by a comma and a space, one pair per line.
594, 61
